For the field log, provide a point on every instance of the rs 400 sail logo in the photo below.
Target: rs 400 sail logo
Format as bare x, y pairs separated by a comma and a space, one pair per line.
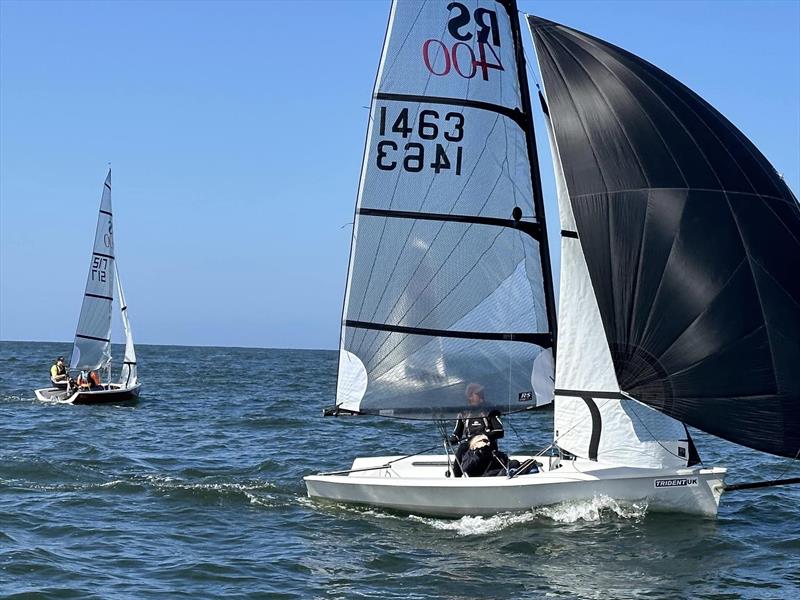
676, 482
470, 53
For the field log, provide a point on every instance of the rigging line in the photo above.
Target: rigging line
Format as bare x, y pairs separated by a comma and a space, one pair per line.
436, 236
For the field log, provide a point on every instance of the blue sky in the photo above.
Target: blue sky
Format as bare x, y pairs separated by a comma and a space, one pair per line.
236, 130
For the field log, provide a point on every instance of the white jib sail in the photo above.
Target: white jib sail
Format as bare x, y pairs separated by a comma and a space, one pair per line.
128, 376
593, 418
92, 347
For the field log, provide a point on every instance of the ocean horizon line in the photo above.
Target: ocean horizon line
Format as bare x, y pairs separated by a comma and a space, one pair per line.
138, 344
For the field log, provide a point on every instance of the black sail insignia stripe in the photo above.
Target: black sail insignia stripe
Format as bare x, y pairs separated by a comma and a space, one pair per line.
569, 234
123, 308
106, 184
105, 212
98, 296
532, 229
91, 337
514, 114
103, 255
592, 393
129, 362
545, 340
597, 427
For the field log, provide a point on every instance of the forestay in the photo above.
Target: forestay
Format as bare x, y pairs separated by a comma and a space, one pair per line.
92, 347
690, 238
448, 282
127, 376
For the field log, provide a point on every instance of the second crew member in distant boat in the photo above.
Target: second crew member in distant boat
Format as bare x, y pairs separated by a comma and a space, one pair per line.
58, 372
90, 381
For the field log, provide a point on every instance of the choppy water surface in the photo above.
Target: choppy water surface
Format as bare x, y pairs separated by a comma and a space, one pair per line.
197, 492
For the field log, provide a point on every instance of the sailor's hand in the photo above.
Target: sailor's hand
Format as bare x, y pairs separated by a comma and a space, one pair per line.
453, 439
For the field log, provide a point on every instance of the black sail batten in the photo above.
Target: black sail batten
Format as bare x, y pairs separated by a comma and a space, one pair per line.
545, 340
532, 229
514, 114
691, 239
448, 280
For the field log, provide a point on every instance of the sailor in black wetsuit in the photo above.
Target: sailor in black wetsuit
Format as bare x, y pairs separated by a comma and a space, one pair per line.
473, 422
468, 425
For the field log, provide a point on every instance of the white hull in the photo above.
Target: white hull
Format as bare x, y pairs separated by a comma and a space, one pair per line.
418, 485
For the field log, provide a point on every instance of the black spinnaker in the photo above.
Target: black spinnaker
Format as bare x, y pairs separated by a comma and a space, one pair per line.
691, 238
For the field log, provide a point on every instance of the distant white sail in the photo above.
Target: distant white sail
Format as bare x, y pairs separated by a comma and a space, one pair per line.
127, 377
92, 347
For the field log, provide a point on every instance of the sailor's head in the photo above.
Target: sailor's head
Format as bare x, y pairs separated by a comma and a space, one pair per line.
474, 393
60, 360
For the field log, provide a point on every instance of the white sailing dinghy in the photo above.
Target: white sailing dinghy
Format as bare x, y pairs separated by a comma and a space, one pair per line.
680, 253
91, 350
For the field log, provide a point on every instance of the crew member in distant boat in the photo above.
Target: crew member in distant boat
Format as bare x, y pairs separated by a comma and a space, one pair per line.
58, 372
472, 426
89, 381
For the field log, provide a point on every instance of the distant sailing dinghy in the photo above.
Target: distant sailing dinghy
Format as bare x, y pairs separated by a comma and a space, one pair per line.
92, 348
680, 255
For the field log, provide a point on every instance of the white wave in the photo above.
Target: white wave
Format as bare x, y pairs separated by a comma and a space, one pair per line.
593, 510
476, 525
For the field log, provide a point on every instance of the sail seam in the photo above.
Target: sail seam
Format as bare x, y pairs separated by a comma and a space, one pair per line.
680, 189
691, 109
610, 108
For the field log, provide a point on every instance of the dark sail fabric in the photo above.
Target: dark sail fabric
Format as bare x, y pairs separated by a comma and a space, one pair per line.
691, 238
446, 286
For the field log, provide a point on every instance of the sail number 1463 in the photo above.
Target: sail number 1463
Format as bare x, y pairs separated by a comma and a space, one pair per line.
430, 126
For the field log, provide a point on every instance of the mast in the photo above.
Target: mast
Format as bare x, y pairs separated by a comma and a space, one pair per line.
536, 179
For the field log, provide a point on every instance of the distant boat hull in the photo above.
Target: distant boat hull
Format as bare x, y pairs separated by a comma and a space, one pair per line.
112, 394
419, 485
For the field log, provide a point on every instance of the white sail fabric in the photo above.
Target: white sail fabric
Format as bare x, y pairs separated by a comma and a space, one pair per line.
592, 418
92, 346
445, 288
127, 376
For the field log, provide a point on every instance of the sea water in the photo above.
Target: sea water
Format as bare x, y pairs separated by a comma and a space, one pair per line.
196, 491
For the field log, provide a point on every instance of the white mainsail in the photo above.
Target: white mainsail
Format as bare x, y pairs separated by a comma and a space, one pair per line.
448, 280
92, 346
128, 376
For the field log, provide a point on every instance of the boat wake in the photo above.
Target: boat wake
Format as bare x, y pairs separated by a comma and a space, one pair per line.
599, 508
